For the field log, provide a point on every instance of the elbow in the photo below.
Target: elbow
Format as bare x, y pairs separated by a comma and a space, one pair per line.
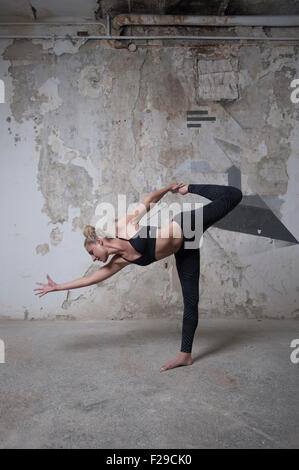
148, 199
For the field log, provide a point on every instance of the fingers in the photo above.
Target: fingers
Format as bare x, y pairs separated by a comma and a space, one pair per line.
41, 290
177, 186
40, 294
50, 281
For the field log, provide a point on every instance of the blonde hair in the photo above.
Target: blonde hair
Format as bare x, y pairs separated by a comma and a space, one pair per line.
91, 233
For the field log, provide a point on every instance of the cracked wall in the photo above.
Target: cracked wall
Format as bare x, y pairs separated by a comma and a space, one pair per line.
85, 122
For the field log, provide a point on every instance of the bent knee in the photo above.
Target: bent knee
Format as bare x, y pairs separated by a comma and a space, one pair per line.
235, 195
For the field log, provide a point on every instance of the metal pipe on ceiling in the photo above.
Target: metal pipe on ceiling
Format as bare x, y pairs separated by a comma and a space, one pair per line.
48, 23
119, 38
123, 20
62, 23
187, 20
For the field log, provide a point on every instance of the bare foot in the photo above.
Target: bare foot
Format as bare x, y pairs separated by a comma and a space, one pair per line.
183, 190
182, 359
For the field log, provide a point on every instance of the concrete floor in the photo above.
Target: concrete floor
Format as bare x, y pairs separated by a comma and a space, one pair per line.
73, 384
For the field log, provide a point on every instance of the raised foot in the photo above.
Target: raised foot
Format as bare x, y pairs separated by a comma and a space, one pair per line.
182, 359
184, 189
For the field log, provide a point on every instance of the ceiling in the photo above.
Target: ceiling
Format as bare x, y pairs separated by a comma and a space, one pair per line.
49, 10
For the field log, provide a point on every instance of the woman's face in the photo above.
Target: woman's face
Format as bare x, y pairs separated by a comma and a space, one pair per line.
97, 251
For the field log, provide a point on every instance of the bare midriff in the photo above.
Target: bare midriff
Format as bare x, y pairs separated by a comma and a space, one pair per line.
169, 239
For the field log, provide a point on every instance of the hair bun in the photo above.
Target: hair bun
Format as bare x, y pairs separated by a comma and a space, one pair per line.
89, 232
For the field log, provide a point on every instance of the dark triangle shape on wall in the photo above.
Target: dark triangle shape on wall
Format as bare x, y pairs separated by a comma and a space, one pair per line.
253, 216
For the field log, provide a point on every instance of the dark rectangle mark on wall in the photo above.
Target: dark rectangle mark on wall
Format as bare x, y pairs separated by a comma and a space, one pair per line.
197, 112
201, 119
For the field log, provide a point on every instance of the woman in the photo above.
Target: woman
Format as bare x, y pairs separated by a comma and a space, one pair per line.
146, 249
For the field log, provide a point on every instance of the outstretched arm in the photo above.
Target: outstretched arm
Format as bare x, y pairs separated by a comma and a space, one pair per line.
157, 195
115, 265
149, 201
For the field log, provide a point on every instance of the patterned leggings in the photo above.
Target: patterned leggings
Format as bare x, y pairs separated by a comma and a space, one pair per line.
224, 199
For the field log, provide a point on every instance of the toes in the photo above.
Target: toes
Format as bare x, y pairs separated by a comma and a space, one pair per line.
173, 364
168, 365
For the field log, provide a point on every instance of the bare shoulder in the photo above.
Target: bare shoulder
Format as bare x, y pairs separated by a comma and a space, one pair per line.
119, 224
138, 212
125, 226
117, 262
124, 220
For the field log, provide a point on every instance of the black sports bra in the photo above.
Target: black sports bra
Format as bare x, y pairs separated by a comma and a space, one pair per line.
144, 241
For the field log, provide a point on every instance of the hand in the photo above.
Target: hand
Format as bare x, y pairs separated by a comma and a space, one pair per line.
51, 286
174, 187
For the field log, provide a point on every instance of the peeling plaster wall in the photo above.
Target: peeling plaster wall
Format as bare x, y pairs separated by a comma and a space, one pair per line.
83, 123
